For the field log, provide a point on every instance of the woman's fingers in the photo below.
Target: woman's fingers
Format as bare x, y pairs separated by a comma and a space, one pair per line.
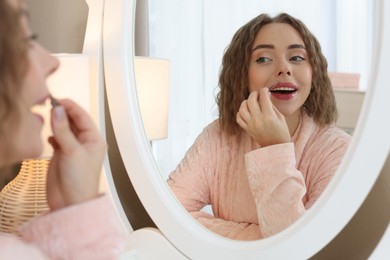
72, 126
261, 119
256, 106
63, 137
266, 105
253, 104
243, 115
79, 150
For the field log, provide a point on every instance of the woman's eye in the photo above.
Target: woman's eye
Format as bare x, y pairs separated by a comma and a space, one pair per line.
263, 59
297, 58
33, 37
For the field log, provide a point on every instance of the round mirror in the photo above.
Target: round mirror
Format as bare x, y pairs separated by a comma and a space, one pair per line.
366, 154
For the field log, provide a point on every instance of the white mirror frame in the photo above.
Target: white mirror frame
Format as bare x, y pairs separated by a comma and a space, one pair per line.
340, 201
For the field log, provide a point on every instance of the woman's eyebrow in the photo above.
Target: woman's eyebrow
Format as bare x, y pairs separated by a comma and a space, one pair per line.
264, 46
271, 46
296, 46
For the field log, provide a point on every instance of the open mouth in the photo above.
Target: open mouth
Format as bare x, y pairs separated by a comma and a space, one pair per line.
41, 107
283, 90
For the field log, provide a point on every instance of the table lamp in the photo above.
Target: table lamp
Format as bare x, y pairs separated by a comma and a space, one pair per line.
152, 78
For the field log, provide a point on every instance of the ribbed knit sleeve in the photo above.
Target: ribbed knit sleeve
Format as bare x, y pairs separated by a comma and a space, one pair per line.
277, 187
89, 230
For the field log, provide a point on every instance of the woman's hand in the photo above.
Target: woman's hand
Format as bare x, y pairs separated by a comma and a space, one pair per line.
260, 118
79, 149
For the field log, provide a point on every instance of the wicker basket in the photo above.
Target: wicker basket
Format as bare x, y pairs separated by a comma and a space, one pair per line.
25, 196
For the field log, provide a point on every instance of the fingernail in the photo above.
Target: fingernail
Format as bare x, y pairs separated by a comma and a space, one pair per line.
59, 113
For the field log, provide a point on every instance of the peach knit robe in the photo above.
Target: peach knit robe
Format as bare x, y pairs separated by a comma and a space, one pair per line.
89, 230
256, 192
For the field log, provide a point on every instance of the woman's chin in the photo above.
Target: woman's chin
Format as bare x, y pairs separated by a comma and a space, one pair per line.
32, 153
288, 111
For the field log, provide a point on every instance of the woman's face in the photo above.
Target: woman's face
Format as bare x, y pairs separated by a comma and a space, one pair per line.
27, 141
279, 61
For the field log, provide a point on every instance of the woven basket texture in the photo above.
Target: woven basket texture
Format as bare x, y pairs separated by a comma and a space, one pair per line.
25, 196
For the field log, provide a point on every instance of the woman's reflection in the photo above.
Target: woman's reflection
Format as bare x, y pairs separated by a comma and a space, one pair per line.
275, 147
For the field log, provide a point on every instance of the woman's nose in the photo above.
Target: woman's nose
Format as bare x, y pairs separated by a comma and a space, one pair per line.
284, 68
52, 64
49, 63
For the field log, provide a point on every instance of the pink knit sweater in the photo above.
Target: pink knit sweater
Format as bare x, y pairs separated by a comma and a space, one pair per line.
85, 231
256, 192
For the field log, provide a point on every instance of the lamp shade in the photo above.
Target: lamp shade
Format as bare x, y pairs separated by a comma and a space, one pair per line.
152, 78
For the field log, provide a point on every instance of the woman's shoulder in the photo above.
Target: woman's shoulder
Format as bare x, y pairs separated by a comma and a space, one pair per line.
330, 134
337, 132
214, 133
315, 135
328, 131
333, 132
213, 128
214, 125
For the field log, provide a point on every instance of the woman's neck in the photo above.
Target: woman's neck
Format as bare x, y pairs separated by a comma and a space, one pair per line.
293, 121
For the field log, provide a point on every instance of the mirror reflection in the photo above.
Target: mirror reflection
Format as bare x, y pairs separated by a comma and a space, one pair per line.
256, 133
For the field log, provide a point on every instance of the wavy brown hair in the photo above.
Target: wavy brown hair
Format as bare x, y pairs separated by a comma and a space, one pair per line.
13, 66
233, 78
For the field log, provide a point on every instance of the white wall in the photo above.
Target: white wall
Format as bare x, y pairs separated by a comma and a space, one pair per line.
59, 24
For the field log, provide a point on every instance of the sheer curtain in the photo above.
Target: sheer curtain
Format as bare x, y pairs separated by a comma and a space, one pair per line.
193, 35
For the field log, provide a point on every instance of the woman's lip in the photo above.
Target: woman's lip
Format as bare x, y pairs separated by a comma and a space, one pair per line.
284, 85
39, 109
283, 96
42, 100
40, 118
45, 98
